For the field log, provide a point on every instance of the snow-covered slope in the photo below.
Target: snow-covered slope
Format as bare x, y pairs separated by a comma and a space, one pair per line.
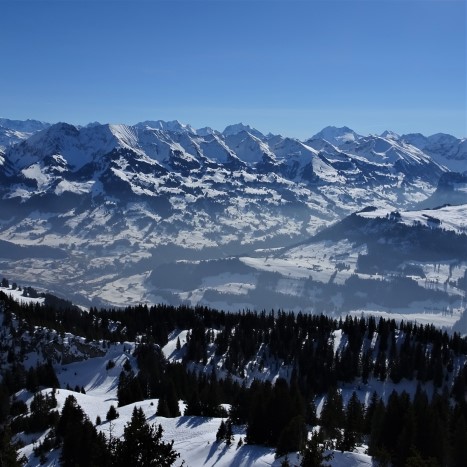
446, 150
452, 218
194, 437
77, 146
232, 130
15, 131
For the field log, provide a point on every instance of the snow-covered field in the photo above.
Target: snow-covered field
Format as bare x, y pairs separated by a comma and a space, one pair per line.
448, 218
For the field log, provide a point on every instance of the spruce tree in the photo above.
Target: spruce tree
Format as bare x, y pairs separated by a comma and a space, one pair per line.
292, 437
228, 433
220, 435
75, 430
354, 423
458, 454
313, 454
8, 450
332, 415
142, 445
172, 399
162, 408
112, 414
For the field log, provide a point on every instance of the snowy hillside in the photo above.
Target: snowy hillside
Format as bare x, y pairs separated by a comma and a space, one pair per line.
445, 149
453, 218
194, 437
354, 266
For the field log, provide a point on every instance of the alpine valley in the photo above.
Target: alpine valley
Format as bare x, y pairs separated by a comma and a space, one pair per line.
159, 212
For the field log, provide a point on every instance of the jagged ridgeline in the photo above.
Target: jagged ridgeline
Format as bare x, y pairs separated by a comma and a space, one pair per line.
398, 388
103, 212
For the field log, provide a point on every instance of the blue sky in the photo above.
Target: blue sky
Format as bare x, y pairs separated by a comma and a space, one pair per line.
289, 67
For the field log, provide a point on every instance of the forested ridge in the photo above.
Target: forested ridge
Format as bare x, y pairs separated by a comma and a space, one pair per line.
309, 356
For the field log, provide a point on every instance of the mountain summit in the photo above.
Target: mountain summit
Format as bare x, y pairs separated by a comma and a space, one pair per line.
337, 136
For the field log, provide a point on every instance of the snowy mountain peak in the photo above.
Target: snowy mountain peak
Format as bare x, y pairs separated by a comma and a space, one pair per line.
24, 126
206, 131
125, 135
337, 136
390, 135
446, 150
239, 127
78, 146
173, 126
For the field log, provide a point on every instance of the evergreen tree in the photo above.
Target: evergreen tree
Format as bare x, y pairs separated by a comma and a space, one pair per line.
112, 413
376, 427
193, 406
220, 435
414, 459
75, 430
172, 399
9, 456
313, 454
4, 402
310, 412
332, 415
292, 437
354, 423
458, 454
162, 408
142, 445
228, 433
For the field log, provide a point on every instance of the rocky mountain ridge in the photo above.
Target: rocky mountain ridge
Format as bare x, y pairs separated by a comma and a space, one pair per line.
98, 208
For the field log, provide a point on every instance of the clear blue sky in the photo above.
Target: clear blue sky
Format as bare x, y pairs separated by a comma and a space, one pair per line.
289, 67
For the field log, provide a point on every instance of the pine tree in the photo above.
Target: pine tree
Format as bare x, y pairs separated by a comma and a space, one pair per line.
172, 399
354, 423
193, 406
8, 450
292, 437
112, 414
332, 415
458, 452
75, 430
313, 454
228, 433
142, 445
376, 427
162, 408
220, 435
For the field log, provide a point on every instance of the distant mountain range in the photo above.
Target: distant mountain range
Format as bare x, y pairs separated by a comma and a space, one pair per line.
101, 211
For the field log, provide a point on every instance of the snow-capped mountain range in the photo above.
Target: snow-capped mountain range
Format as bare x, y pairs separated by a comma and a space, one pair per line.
97, 208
